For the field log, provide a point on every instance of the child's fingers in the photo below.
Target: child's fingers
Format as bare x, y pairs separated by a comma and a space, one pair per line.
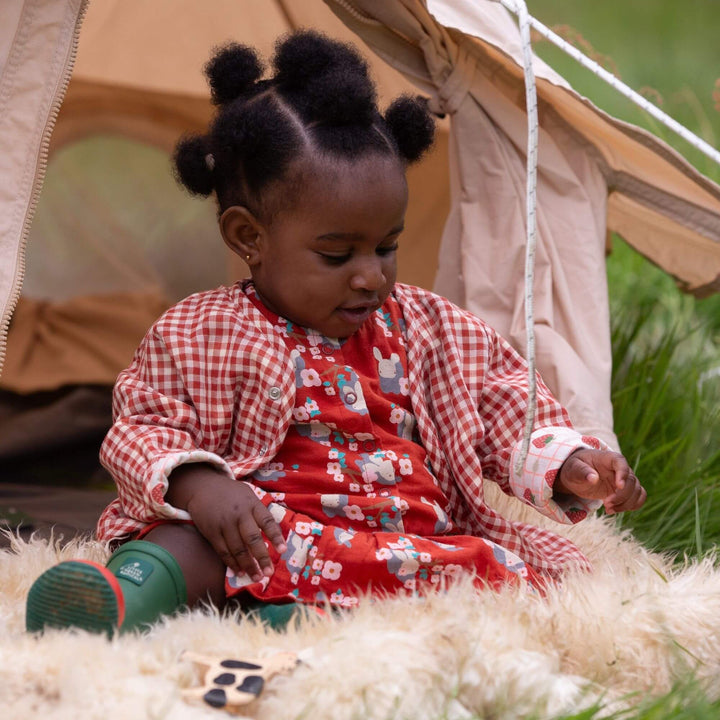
266, 522
622, 471
631, 498
581, 472
234, 550
254, 542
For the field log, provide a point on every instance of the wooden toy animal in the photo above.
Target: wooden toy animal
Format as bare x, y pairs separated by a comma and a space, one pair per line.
230, 683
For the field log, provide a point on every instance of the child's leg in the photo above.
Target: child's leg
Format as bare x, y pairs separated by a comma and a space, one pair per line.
171, 567
202, 568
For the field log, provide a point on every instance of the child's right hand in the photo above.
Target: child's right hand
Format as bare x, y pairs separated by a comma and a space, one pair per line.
230, 517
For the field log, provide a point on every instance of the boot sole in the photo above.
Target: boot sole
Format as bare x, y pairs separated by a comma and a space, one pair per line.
76, 593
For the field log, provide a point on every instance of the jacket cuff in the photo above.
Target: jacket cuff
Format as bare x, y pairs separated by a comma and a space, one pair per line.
158, 484
549, 448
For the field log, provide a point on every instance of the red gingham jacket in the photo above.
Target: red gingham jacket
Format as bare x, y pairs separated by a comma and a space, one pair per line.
213, 382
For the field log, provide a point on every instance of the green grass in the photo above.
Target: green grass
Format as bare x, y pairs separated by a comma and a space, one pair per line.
664, 49
684, 702
667, 406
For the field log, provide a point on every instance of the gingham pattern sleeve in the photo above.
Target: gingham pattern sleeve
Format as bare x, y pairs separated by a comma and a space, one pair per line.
549, 448
209, 383
478, 389
156, 429
504, 394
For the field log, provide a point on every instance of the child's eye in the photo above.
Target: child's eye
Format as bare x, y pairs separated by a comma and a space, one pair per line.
334, 259
387, 249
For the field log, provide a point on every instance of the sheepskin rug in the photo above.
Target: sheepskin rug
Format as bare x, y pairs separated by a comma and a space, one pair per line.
636, 626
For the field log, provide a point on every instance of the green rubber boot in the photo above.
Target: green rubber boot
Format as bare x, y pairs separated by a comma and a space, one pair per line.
140, 582
279, 617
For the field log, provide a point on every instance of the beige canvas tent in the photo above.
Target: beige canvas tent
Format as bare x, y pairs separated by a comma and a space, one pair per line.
113, 241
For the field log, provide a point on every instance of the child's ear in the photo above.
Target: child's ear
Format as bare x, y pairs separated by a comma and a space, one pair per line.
242, 233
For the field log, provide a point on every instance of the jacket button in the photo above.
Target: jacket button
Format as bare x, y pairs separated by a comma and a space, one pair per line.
275, 393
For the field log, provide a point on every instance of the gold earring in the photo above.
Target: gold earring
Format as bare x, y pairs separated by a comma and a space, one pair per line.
247, 257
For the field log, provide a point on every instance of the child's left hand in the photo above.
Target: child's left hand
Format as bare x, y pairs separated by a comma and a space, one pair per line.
601, 475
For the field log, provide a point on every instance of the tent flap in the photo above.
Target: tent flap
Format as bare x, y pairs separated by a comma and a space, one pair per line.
37, 45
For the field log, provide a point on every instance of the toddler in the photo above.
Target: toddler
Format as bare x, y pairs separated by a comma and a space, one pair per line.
319, 432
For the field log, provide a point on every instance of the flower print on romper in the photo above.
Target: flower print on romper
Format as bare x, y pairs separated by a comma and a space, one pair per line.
296, 555
508, 559
316, 431
443, 524
304, 376
386, 513
401, 559
405, 422
350, 391
390, 372
320, 345
377, 468
270, 472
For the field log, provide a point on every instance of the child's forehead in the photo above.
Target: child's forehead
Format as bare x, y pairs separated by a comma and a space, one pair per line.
328, 169
350, 190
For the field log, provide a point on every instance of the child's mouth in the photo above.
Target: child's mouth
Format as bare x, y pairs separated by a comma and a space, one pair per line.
356, 315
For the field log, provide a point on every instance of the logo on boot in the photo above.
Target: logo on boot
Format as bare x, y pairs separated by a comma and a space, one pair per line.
136, 570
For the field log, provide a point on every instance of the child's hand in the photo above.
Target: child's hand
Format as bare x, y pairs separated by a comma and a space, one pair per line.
601, 475
230, 517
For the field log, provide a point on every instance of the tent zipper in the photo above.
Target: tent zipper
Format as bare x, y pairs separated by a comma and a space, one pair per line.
42, 163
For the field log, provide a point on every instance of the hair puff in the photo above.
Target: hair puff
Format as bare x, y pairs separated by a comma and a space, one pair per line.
232, 71
337, 98
308, 55
191, 165
412, 126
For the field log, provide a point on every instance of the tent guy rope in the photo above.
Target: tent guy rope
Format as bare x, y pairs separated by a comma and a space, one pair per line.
531, 210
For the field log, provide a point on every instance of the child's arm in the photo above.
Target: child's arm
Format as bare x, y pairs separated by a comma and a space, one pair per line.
601, 475
229, 516
589, 478
176, 404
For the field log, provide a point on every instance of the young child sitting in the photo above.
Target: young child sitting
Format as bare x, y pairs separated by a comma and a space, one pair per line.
319, 432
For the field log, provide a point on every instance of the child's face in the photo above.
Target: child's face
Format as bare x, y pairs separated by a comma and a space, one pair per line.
330, 260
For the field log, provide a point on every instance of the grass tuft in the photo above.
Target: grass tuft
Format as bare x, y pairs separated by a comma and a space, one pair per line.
666, 400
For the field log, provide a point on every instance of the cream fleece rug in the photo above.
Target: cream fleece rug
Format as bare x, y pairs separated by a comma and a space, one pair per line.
635, 626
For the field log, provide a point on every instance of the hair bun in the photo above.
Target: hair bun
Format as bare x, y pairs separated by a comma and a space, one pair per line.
192, 168
232, 71
339, 98
327, 81
412, 126
309, 55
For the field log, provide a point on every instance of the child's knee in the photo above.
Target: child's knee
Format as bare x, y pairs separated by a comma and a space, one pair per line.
202, 568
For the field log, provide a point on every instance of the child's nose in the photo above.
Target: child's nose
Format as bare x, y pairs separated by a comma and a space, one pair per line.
368, 274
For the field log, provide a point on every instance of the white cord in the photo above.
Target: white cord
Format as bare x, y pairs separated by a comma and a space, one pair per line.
531, 210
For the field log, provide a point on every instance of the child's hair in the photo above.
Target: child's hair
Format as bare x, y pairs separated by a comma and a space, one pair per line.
321, 99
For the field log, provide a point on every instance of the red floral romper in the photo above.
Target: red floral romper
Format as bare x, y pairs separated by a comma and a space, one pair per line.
351, 487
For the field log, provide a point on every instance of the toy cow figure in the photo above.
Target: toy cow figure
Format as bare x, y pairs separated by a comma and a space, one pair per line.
229, 684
